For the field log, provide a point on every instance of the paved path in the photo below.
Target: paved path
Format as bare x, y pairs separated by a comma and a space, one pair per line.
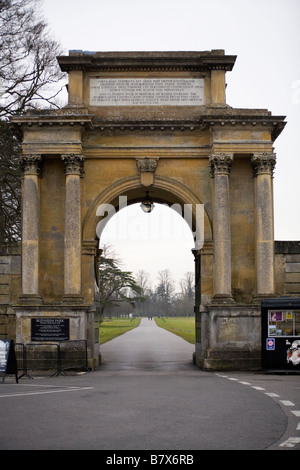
148, 395
147, 347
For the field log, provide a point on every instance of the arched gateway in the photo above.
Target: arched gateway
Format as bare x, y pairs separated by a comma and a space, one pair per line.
154, 121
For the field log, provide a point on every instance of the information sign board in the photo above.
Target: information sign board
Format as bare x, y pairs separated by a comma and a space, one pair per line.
50, 329
8, 362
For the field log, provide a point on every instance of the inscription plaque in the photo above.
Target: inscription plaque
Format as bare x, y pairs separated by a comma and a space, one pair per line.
147, 92
49, 329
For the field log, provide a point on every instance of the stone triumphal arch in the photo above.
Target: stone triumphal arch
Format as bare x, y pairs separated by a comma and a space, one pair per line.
154, 121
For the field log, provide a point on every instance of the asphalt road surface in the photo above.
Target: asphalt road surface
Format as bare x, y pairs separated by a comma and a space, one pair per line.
149, 396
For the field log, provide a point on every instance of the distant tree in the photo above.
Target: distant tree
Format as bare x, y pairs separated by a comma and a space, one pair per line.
115, 285
186, 298
143, 280
165, 290
187, 286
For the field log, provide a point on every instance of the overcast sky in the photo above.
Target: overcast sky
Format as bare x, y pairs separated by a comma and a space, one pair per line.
265, 36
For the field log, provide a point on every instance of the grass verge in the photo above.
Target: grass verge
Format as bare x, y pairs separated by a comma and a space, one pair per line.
180, 326
110, 329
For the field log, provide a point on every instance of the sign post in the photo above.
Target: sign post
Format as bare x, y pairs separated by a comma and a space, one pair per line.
8, 361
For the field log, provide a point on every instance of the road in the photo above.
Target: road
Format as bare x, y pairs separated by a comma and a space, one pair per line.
148, 395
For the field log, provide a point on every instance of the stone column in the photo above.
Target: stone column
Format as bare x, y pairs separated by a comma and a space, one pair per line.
31, 165
263, 165
72, 252
220, 169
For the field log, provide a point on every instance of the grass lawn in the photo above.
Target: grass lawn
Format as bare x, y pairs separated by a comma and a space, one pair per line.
181, 326
110, 329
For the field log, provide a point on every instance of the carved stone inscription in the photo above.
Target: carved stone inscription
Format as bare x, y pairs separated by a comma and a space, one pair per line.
147, 92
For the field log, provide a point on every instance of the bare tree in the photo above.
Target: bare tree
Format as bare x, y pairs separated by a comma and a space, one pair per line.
143, 280
29, 77
186, 298
187, 286
165, 290
10, 188
28, 65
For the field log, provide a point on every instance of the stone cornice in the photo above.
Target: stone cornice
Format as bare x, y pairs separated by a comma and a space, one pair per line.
229, 117
265, 120
157, 125
257, 118
146, 61
67, 118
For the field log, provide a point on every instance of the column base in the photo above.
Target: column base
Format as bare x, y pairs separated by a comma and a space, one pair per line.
73, 299
222, 299
234, 359
30, 299
258, 298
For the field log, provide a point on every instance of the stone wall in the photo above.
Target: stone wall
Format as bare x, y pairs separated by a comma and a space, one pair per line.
10, 289
287, 267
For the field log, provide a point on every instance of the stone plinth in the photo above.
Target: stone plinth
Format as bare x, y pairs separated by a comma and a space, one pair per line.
230, 337
81, 324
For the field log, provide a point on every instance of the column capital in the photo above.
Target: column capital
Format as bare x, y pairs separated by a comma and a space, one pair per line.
220, 163
31, 164
263, 163
73, 164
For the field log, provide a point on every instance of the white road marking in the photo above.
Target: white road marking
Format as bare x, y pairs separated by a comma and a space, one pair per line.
287, 403
290, 442
43, 392
272, 395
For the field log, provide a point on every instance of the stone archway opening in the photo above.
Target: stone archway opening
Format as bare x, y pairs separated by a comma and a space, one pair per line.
169, 225
156, 248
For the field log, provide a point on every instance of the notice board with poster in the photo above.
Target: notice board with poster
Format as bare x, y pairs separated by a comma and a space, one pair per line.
8, 361
280, 328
